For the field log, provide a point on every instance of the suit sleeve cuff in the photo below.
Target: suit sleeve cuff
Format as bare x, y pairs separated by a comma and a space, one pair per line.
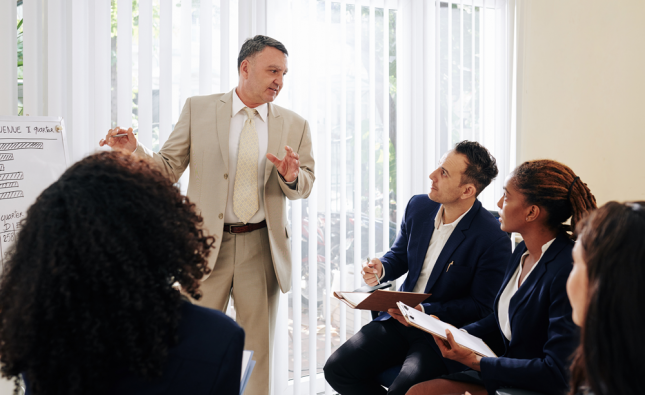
292, 185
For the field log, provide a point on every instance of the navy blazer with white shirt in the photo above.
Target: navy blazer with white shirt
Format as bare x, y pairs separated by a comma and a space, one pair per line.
464, 291
543, 333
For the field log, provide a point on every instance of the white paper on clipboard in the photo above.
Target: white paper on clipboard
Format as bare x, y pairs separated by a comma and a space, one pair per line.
437, 327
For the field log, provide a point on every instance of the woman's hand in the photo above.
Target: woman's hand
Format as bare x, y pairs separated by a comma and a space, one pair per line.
451, 350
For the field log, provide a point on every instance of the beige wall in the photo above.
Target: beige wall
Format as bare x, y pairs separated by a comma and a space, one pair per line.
582, 91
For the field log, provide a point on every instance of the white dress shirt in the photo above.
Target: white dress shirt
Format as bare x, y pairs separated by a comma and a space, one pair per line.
238, 118
438, 240
511, 288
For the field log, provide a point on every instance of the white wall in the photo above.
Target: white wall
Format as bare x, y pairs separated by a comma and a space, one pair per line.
582, 91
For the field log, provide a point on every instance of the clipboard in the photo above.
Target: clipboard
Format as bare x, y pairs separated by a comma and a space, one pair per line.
247, 368
379, 300
438, 328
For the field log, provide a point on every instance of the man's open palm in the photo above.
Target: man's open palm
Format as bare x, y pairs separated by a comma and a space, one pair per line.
289, 166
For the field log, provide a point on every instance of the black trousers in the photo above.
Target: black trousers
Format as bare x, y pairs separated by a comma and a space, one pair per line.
378, 346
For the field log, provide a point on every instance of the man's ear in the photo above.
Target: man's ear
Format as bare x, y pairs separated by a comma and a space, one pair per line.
244, 69
469, 191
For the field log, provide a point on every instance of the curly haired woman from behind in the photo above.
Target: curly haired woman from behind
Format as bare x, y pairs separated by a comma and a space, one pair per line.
87, 302
607, 292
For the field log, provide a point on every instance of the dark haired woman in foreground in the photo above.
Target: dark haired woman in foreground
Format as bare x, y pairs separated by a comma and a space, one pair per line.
532, 315
87, 303
607, 292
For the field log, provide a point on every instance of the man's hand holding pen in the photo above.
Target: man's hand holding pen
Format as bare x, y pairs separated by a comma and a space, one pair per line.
372, 271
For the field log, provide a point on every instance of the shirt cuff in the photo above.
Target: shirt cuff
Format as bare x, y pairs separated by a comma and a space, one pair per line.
382, 272
135, 149
292, 185
423, 308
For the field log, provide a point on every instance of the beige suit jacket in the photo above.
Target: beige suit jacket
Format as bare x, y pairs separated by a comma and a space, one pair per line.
201, 138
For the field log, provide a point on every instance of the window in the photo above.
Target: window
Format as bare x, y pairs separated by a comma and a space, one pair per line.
343, 81
472, 77
387, 86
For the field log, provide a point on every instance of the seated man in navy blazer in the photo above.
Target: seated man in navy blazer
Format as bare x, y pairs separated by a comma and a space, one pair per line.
451, 247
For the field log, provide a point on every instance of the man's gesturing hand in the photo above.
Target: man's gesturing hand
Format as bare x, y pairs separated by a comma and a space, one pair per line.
125, 144
371, 269
289, 166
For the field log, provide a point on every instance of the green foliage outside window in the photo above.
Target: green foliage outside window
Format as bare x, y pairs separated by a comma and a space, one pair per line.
20, 109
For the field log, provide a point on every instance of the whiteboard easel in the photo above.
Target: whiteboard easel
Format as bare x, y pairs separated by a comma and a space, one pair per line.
33, 154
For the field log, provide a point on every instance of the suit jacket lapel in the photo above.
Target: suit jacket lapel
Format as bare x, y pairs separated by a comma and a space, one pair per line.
224, 113
510, 271
453, 242
529, 284
275, 137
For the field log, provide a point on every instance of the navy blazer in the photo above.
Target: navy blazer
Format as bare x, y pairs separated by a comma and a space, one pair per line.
543, 333
478, 249
206, 360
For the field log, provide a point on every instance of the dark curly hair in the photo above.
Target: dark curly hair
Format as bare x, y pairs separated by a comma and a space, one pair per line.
90, 285
481, 167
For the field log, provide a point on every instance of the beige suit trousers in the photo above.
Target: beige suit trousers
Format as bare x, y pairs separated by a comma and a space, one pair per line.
244, 270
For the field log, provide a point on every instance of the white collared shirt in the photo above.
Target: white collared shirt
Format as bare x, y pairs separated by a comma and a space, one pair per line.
238, 117
438, 240
512, 287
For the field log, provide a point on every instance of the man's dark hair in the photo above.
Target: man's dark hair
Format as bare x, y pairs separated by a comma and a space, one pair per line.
481, 166
255, 45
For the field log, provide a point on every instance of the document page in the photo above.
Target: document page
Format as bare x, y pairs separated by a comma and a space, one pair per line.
247, 368
432, 325
246, 357
355, 297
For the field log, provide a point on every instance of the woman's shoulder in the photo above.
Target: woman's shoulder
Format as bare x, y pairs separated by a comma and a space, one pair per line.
207, 320
559, 253
206, 332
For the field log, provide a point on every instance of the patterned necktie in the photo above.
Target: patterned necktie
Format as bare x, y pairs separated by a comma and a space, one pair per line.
245, 191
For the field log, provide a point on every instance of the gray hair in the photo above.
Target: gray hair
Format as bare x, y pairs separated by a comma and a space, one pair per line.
255, 45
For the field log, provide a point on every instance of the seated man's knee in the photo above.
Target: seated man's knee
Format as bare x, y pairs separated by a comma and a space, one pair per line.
332, 367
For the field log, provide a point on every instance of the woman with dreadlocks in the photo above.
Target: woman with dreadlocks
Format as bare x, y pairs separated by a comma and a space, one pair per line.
532, 314
88, 298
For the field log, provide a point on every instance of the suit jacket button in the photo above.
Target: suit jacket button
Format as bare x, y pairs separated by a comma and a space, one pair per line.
221, 215
226, 176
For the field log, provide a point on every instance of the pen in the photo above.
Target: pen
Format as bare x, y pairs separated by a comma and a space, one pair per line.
375, 276
120, 135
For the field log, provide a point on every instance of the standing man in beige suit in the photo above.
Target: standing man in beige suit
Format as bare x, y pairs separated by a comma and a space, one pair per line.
233, 142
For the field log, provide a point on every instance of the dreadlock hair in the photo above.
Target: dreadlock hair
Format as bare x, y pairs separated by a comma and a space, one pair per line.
555, 188
609, 358
88, 286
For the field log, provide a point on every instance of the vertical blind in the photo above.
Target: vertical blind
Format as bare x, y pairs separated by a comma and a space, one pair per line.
130, 63
342, 79
387, 86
